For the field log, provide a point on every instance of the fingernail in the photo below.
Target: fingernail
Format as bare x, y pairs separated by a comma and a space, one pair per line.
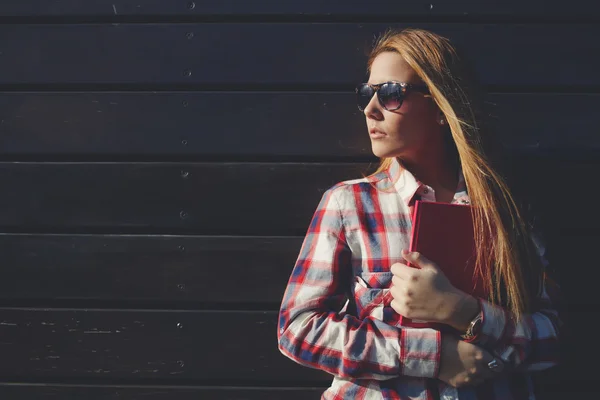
410, 254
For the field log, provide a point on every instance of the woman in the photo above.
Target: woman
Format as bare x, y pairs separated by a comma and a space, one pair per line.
341, 308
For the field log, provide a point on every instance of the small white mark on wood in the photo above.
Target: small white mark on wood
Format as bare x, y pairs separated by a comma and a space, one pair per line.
100, 371
114, 9
103, 332
8, 323
113, 103
48, 323
431, 6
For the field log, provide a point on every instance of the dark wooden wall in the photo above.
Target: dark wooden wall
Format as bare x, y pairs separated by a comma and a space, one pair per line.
160, 161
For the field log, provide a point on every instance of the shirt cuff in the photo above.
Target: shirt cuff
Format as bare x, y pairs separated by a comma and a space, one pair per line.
493, 324
420, 351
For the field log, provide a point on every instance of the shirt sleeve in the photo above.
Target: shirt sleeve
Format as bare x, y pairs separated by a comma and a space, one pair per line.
315, 331
531, 344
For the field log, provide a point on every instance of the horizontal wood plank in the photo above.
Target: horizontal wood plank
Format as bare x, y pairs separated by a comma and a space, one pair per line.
551, 390
388, 8
182, 271
162, 347
216, 348
229, 198
174, 268
305, 124
219, 198
179, 54
147, 392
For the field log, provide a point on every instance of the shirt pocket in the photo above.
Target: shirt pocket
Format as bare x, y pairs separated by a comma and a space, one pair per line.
372, 294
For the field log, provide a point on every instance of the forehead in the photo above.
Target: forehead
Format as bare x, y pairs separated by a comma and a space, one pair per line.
390, 66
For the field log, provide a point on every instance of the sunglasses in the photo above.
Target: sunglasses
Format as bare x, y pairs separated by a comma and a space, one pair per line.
390, 94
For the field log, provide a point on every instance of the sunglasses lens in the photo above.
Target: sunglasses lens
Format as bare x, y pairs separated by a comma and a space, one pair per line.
364, 94
391, 96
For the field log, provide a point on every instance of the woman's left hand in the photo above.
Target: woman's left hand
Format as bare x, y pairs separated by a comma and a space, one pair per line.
425, 293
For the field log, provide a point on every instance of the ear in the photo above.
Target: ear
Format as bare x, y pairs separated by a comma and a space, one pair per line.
441, 118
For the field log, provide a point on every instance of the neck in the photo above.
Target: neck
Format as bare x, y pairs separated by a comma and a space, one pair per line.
439, 171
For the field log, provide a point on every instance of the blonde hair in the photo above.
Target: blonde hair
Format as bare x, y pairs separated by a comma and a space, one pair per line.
503, 238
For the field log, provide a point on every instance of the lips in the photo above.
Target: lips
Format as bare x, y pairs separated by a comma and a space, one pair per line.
375, 133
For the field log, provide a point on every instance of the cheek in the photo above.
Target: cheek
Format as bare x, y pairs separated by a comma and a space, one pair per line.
421, 110
415, 119
408, 125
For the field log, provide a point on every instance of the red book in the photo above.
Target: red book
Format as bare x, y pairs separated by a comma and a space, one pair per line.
443, 233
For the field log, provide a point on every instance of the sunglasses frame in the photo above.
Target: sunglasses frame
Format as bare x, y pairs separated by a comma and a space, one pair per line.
406, 87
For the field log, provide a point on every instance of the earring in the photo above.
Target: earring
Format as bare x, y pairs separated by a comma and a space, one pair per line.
442, 121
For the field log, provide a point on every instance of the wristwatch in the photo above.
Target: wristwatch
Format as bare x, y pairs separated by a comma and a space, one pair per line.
474, 327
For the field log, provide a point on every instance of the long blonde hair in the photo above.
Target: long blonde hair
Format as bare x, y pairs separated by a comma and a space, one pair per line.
502, 235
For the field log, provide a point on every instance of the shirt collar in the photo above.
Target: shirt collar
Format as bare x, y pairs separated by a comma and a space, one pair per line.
407, 185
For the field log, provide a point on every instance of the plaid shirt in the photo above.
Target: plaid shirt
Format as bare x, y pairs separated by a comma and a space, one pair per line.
336, 314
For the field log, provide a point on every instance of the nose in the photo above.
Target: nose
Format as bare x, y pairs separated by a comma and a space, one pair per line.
373, 110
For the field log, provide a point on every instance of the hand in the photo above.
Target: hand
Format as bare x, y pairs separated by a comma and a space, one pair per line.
463, 363
425, 293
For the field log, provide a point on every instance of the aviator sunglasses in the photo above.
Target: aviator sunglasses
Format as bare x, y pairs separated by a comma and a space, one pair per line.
390, 94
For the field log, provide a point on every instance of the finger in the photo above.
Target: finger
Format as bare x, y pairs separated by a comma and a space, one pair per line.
407, 309
397, 306
417, 259
402, 271
401, 288
396, 290
401, 307
400, 291
398, 281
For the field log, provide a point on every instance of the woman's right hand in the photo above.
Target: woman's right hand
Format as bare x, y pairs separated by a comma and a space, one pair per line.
463, 363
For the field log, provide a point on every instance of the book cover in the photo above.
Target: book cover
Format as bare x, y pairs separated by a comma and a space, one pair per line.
443, 233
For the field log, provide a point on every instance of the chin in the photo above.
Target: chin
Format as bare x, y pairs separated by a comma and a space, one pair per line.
385, 151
